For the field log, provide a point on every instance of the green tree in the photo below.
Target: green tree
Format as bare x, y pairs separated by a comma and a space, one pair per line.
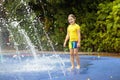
99, 21
108, 26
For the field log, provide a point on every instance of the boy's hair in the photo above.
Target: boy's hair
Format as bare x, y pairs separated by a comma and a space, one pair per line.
72, 15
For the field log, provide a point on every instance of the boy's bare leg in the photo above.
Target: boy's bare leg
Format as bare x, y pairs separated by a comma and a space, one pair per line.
78, 61
72, 58
77, 58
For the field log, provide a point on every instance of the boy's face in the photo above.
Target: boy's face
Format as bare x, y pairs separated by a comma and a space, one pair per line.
71, 20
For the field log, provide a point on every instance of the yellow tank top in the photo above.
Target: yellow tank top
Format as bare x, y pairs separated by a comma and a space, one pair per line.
72, 30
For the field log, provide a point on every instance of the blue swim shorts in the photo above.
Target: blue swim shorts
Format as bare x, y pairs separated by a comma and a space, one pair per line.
72, 44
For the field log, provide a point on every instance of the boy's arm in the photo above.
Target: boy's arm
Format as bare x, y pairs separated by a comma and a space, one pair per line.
66, 39
79, 37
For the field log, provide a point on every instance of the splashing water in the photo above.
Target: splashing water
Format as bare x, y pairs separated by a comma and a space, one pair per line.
15, 29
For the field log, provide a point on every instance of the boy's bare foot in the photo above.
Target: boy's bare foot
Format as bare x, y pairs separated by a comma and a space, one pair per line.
78, 67
72, 67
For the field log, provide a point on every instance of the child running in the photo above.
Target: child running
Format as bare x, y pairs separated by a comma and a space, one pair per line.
73, 35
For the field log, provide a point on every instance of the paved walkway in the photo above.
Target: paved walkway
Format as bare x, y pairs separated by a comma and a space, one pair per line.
62, 52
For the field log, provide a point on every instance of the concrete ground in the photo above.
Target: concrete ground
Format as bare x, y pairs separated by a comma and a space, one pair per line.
49, 67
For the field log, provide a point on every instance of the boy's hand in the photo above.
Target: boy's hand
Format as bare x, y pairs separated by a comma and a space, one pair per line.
64, 45
78, 45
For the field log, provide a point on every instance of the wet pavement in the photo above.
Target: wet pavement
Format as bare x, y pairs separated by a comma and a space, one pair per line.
51, 67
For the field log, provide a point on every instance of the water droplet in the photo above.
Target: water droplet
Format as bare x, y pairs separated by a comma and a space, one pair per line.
22, 55
98, 56
88, 79
14, 56
111, 77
